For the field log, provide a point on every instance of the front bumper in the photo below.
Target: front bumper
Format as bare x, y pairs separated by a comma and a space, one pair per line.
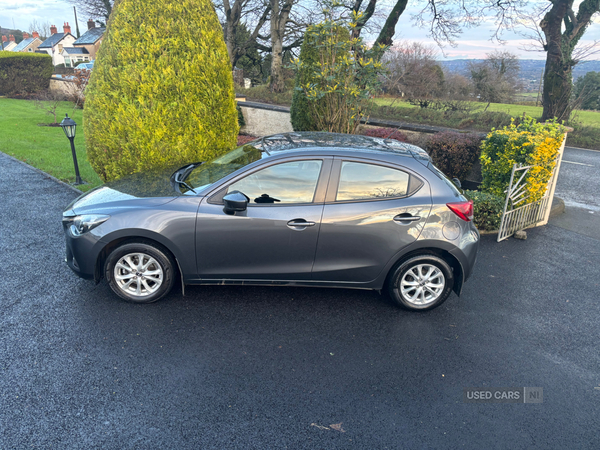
82, 253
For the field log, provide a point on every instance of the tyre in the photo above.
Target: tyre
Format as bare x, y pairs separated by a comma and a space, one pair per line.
140, 272
421, 283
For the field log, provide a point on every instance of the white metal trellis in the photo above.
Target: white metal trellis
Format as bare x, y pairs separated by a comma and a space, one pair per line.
525, 215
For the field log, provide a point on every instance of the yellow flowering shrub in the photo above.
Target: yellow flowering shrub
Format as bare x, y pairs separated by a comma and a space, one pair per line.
531, 144
161, 92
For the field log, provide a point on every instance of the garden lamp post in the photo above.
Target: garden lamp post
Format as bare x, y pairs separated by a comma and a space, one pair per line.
68, 125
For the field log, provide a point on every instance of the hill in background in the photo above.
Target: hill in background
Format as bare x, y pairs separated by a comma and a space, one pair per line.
531, 69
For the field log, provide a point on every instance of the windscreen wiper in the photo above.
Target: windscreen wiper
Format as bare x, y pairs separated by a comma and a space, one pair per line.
179, 181
180, 175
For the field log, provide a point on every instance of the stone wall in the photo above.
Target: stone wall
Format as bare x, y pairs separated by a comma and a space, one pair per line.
61, 86
263, 122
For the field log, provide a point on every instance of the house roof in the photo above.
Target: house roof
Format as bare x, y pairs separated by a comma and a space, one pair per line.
76, 50
54, 39
9, 45
90, 36
23, 44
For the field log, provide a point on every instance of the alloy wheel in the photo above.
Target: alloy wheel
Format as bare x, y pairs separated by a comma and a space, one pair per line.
138, 274
422, 284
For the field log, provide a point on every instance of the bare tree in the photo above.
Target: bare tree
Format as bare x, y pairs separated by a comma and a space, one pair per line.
95, 9
414, 73
42, 27
496, 79
236, 14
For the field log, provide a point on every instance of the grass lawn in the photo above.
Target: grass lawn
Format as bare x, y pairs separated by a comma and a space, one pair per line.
46, 148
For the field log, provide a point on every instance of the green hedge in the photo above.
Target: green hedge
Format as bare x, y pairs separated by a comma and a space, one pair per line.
487, 209
454, 153
161, 92
24, 73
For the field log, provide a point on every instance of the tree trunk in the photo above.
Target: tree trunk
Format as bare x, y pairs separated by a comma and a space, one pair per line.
230, 42
557, 88
277, 80
557, 73
562, 28
279, 19
389, 28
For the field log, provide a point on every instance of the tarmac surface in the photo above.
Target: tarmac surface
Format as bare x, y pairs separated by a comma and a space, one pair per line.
255, 368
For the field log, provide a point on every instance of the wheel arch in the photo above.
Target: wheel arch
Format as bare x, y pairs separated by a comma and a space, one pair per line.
122, 240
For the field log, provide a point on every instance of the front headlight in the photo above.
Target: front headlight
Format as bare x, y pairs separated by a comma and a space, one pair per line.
79, 225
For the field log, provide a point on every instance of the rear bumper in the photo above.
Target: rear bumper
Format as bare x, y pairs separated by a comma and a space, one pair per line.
466, 252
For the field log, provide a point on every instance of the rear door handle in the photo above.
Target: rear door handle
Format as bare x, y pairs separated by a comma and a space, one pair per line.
300, 224
406, 218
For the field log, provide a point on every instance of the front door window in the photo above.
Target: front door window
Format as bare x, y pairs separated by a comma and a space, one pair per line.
287, 183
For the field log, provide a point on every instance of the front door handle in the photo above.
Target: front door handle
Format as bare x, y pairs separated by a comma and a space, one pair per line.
405, 219
299, 224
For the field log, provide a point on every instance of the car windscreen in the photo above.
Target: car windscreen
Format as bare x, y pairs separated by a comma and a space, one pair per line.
212, 171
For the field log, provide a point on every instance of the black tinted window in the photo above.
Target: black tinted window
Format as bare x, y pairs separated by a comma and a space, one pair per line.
291, 182
360, 181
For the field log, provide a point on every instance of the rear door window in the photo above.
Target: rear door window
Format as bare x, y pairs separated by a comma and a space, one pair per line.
361, 181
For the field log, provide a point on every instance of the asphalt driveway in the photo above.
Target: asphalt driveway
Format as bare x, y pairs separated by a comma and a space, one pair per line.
252, 367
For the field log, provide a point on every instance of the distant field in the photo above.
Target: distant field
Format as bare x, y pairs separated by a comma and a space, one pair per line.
587, 118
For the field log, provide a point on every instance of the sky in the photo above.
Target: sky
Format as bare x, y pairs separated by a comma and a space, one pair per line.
473, 43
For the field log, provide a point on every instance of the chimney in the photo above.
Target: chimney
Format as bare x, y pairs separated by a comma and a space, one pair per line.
35, 34
53, 29
4, 39
67, 28
25, 35
11, 38
91, 24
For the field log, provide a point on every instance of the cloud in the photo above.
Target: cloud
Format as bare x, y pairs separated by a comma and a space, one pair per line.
19, 15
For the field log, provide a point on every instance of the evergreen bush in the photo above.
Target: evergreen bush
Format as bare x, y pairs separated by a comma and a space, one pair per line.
161, 92
24, 73
487, 209
300, 113
454, 153
336, 78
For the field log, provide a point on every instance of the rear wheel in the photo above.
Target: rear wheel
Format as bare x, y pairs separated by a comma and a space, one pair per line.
421, 283
139, 272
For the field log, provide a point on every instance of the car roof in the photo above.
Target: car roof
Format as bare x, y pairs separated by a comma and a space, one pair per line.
307, 140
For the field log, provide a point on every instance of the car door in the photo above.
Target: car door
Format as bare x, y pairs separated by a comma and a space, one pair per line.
372, 211
276, 237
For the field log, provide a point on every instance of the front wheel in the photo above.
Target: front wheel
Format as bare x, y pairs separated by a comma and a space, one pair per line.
139, 273
421, 283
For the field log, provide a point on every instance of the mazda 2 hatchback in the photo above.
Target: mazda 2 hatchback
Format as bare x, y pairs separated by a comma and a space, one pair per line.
298, 209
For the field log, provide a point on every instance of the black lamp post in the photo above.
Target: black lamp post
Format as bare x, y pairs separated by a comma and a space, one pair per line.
68, 125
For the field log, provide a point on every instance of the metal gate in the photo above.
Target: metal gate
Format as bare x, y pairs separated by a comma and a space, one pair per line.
523, 215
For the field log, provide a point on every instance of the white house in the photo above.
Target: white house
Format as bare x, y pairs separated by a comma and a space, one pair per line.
73, 55
56, 42
8, 44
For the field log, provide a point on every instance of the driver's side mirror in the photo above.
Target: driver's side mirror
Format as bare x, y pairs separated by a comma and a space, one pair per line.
234, 202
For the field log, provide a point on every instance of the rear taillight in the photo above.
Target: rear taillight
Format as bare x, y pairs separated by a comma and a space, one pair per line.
464, 210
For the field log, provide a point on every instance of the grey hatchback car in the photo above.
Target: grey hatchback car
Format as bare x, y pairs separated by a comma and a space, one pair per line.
298, 209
